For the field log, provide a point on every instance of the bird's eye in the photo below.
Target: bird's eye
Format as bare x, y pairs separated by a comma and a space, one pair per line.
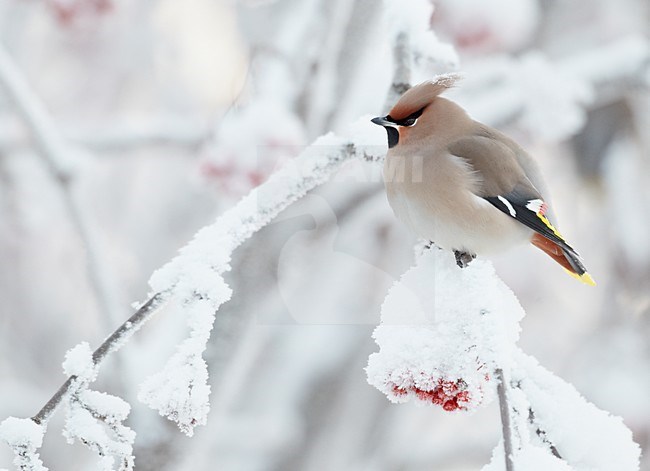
409, 122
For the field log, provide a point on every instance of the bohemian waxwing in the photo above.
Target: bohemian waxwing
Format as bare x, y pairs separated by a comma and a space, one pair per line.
463, 185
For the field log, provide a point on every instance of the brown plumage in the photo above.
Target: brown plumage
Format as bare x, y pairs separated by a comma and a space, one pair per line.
420, 95
463, 185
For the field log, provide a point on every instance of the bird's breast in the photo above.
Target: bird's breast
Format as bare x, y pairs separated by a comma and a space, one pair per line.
437, 182
435, 196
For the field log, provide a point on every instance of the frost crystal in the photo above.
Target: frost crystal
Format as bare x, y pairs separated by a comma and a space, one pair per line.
79, 362
95, 419
180, 391
24, 436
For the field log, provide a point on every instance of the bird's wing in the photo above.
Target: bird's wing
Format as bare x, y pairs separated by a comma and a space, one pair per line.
505, 184
532, 213
526, 162
496, 165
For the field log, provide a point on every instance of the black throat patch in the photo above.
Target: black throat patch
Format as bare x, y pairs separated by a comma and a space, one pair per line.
393, 136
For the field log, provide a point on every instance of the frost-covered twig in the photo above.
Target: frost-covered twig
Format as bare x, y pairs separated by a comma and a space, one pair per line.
94, 418
195, 275
313, 167
57, 156
543, 436
111, 344
504, 408
25, 438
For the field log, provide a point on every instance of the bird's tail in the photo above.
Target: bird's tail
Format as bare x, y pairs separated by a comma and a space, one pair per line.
565, 256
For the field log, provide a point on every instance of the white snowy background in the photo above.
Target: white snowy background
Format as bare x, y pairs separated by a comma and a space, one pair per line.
163, 114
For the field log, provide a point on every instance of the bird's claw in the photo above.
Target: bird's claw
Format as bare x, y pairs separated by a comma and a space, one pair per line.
463, 258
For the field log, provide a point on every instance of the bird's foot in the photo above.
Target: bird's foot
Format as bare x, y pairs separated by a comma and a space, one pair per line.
463, 258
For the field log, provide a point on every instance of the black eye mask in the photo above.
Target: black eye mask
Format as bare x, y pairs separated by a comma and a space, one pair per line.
388, 121
409, 120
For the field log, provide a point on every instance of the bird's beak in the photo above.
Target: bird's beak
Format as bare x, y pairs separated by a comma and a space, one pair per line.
382, 121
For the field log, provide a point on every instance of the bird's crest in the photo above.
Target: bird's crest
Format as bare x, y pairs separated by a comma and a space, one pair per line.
422, 95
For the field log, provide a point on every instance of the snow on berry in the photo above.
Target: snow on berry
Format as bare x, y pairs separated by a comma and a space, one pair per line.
450, 395
443, 331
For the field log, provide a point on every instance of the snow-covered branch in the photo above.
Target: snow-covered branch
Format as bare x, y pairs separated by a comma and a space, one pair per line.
194, 280
111, 344
24, 437
447, 338
444, 333
456, 347
210, 250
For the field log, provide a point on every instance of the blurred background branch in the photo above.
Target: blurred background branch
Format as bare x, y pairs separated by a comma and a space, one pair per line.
152, 85
61, 161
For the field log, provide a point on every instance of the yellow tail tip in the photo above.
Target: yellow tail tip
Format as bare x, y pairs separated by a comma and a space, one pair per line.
585, 277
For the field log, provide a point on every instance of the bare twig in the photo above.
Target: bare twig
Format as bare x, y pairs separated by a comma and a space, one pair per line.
504, 408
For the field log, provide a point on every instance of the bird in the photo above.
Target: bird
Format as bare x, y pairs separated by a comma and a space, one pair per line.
466, 186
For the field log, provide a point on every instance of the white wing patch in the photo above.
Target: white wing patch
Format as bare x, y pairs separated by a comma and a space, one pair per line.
511, 210
536, 206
